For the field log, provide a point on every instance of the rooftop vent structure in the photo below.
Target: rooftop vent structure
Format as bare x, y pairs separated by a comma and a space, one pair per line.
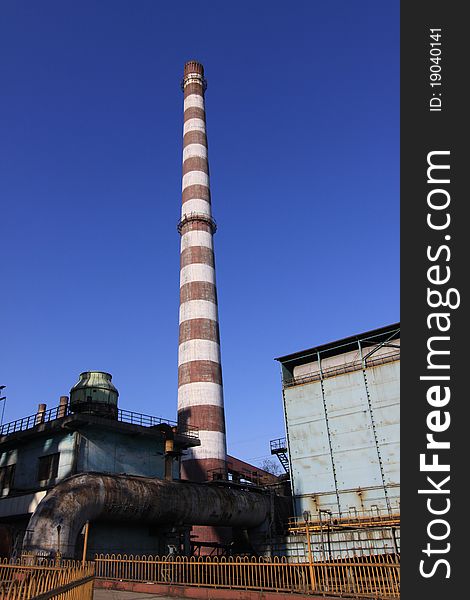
95, 394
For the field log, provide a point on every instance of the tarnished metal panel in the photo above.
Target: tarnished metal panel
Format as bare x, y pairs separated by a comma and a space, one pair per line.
343, 438
339, 544
354, 501
314, 502
384, 391
330, 364
326, 363
114, 452
304, 403
352, 440
308, 440
312, 471
351, 543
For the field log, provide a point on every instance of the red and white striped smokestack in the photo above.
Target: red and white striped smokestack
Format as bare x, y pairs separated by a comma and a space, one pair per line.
200, 393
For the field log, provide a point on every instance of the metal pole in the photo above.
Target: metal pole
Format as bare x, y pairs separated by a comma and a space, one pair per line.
321, 536
4, 400
85, 543
309, 550
329, 540
58, 555
394, 540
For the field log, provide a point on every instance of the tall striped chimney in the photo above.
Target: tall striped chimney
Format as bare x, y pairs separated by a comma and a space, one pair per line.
200, 393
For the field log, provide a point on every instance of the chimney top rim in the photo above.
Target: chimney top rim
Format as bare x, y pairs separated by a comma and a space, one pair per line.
193, 66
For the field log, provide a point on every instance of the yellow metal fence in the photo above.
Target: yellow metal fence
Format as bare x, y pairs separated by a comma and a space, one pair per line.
28, 578
373, 576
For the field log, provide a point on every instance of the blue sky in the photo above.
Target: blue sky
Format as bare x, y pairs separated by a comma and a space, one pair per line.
303, 127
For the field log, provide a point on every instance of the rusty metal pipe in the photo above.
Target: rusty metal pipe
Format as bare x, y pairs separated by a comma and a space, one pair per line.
90, 496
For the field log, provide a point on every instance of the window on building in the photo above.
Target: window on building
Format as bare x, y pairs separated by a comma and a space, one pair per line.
48, 467
7, 474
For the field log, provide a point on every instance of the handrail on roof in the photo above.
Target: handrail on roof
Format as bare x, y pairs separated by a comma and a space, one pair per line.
124, 416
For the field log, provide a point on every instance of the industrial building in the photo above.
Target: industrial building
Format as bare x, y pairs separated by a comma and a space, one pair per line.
342, 414
89, 461
89, 433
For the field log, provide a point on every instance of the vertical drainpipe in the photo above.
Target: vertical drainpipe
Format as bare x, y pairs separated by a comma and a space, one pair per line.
200, 393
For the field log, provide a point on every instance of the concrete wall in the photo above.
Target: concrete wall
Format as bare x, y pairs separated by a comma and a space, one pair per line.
343, 439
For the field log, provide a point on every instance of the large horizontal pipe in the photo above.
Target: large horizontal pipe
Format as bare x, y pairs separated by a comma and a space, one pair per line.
62, 513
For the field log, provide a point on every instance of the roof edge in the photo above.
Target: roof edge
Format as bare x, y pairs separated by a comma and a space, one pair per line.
344, 342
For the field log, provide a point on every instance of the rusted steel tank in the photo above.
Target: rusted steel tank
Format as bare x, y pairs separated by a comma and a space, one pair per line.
61, 514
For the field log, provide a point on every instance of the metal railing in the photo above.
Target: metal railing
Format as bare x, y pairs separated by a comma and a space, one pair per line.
374, 576
125, 416
45, 579
32, 420
279, 444
372, 532
374, 517
357, 365
197, 216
